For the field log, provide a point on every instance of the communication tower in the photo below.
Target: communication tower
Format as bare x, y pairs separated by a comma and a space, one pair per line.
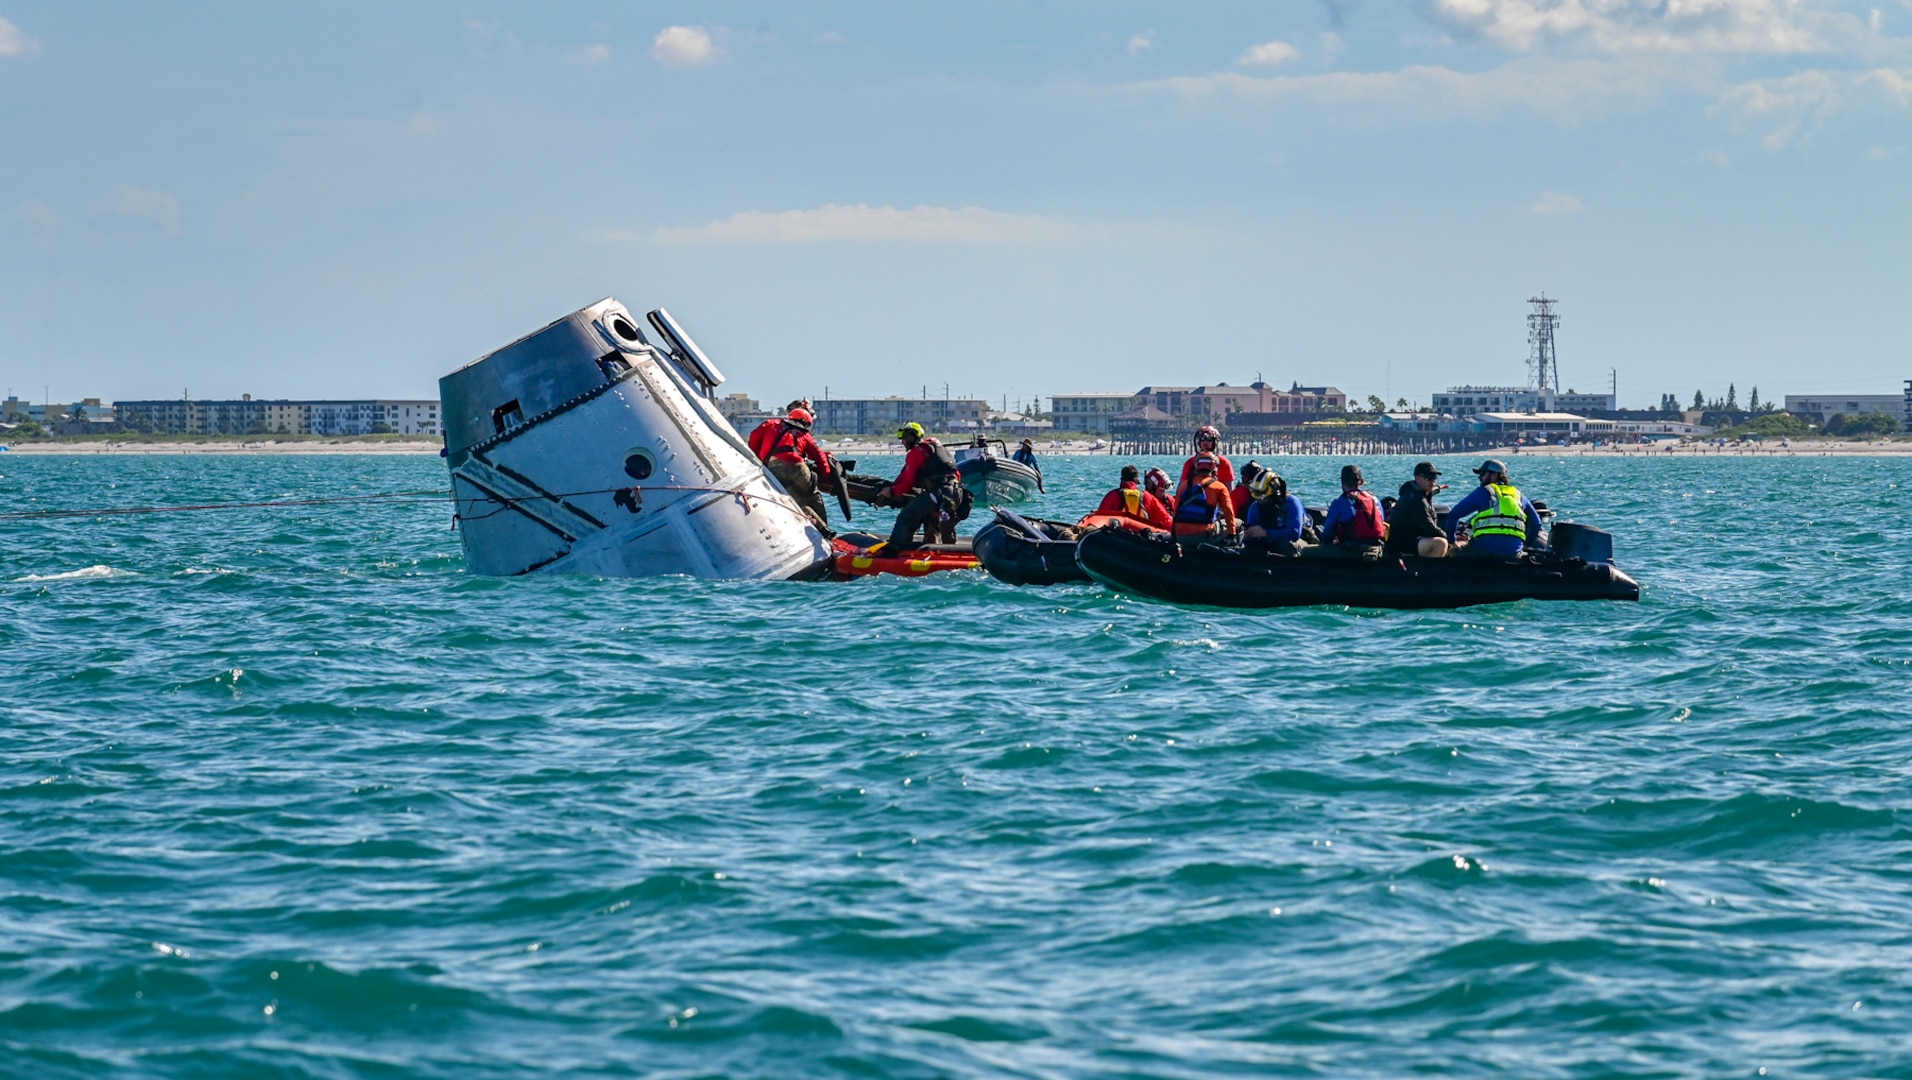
1543, 367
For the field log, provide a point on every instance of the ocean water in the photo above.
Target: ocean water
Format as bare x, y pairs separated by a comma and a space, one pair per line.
285, 793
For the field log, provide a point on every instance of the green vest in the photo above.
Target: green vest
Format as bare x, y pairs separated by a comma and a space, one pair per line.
1504, 517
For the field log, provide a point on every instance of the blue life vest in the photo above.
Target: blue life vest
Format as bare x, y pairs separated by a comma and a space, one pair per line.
1194, 508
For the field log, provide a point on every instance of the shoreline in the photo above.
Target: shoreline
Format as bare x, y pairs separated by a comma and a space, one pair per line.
1076, 448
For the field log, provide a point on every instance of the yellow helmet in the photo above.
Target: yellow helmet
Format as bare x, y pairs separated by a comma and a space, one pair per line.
911, 428
1264, 484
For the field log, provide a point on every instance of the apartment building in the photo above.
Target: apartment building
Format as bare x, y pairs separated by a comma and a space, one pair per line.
882, 416
247, 416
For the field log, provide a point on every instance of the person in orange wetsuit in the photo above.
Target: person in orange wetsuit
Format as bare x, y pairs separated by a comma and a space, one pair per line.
799, 464
1205, 509
1155, 482
1130, 501
1207, 441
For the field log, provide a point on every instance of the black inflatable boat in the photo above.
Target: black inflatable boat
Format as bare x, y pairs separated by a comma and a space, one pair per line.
1579, 567
1028, 551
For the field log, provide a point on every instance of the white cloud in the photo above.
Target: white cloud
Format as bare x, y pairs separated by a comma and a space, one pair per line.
1791, 107
1668, 26
1551, 203
590, 55
1566, 88
683, 46
14, 41
827, 37
1141, 43
872, 224
1268, 54
155, 206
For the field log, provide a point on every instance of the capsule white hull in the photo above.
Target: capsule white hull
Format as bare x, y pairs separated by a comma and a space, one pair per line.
585, 449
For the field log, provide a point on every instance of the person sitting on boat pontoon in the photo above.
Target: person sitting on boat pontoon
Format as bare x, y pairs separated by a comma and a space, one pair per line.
1206, 500
1355, 527
1275, 519
1026, 455
1244, 493
937, 497
1130, 501
789, 454
1207, 442
1155, 482
1414, 525
1499, 517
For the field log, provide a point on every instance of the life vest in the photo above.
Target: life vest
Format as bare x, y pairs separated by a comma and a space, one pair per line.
1367, 526
1132, 502
784, 442
1504, 518
1274, 512
1194, 509
939, 466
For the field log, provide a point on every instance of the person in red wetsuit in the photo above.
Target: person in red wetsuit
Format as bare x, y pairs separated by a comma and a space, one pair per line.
767, 430
929, 480
798, 463
1130, 501
1155, 482
1207, 439
1243, 495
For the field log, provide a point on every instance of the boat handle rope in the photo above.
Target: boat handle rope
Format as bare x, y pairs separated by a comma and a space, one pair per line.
432, 495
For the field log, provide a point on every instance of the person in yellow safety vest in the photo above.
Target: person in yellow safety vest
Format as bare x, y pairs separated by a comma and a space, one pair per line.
1500, 518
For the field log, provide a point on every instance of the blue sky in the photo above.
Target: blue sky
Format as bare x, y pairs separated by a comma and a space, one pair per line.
1009, 198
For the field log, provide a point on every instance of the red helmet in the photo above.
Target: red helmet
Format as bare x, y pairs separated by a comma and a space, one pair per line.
802, 415
1206, 463
1207, 431
1155, 480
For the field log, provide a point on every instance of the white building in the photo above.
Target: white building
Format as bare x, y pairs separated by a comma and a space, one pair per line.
1088, 412
1468, 400
399, 417
1826, 406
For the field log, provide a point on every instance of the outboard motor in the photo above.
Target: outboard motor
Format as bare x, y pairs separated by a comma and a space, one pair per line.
1572, 541
583, 448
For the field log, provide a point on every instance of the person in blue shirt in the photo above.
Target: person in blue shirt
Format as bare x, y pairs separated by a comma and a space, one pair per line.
1498, 516
1275, 518
1356, 527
